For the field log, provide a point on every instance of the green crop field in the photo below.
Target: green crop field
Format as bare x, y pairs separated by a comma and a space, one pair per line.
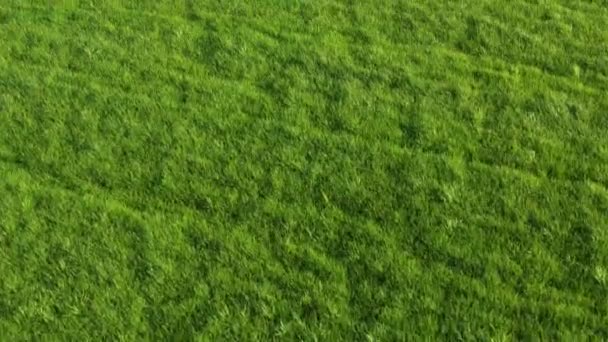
299, 170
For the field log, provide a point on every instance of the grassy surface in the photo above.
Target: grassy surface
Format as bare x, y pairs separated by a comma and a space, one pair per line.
318, 170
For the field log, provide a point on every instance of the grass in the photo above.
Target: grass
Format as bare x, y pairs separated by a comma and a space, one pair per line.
303, 170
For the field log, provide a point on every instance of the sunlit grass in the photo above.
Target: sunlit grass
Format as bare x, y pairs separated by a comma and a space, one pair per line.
303, 170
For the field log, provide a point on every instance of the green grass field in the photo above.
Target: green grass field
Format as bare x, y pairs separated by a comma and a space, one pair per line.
328, 170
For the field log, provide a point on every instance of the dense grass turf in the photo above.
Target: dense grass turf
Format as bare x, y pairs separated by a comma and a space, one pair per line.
318, 170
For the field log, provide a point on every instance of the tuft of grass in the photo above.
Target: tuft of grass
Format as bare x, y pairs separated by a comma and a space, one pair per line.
303, 170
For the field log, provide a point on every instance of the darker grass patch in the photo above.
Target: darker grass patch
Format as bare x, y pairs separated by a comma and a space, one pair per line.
579, 253
413, 132
191, 11
4, 17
